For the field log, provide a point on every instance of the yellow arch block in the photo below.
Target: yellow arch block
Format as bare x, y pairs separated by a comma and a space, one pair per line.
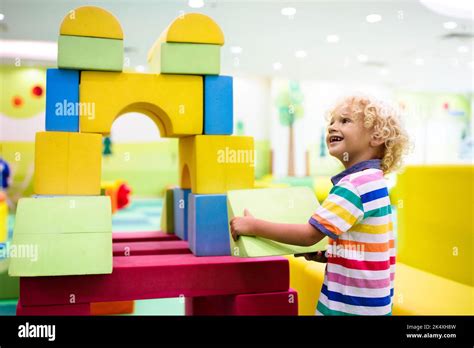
173, 102
193, 28
91, 21
216, 163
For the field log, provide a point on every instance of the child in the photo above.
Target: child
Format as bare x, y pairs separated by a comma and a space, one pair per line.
367, 137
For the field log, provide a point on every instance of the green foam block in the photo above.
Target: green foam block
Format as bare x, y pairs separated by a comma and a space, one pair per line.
293, 205
63, 254
67, 214
90, 53
188, 58
67, 235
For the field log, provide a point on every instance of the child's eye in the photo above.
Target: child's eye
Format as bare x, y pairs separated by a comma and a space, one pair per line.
346, 120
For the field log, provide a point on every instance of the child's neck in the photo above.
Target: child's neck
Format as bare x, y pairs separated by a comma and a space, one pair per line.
354, 160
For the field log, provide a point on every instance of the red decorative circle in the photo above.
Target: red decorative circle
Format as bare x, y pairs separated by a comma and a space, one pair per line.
37, 91
17, 101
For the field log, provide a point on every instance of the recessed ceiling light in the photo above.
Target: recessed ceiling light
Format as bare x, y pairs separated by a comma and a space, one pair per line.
2, 16
362, 58
236, 49
195, 3
450, 25
373, 18
140, 68
463, 49
419, 61
332, 38
277, 66
300, 54
288, 11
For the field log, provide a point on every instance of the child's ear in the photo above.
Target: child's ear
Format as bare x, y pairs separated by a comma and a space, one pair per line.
376, 141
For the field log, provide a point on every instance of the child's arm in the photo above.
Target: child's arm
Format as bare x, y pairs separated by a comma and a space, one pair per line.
295, 234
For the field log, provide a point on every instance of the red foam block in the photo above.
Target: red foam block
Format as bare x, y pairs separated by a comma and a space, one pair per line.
63, 310
151, 248
142, 236
161, 276
275, 303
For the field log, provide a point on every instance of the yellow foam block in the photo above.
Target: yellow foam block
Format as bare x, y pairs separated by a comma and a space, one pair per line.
67, 163
3, 221
173, 102
307, 278
91, 21
193, 28
216, 163
422, 293
435, 225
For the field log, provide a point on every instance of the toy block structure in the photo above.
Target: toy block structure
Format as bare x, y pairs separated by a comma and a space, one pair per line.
90, 38
214, 164
283, 205
77, 228
190, 45
173, 102
62, 98
187, 100
164, 276
218, 105
283, 303
180, 212
207, 221
67, 163
167, 213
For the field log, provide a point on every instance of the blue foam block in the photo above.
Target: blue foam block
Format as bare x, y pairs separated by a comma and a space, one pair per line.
180, 204
218, 105
62, 100
208, 234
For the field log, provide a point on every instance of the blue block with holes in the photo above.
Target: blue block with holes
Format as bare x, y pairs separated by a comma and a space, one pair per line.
180, 211
218, 105
208, 234
62, 100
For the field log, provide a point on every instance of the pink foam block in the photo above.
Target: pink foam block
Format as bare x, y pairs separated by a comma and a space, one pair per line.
151, 248
161, 276
69, 309
142, 236
275, 303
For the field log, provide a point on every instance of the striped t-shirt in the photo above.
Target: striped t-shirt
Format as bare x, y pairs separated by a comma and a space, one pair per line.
357, 218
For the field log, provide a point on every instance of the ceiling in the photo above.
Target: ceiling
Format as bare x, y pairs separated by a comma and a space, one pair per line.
408, 33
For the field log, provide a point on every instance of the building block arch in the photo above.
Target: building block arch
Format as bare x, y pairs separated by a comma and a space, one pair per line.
91, 21
175, 102
193, 28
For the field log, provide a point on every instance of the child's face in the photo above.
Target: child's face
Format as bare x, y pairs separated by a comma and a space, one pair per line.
347, 138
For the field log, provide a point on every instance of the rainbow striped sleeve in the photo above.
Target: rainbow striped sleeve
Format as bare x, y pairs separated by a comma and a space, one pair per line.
341, 210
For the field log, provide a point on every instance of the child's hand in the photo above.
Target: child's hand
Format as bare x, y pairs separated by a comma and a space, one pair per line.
318, 256
242, 226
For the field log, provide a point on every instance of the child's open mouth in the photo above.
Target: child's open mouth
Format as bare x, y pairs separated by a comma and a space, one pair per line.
335, 139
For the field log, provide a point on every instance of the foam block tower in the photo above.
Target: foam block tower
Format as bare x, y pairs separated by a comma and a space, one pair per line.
187, 99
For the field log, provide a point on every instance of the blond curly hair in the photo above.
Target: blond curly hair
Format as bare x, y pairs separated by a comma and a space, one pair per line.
385, 120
